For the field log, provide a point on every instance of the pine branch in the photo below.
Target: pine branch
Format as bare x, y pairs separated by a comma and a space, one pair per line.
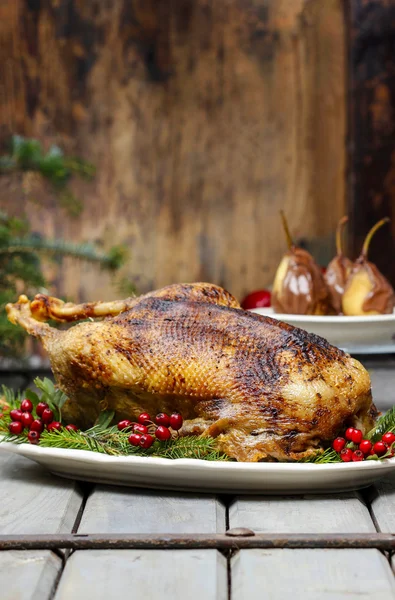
322, 457
384, 424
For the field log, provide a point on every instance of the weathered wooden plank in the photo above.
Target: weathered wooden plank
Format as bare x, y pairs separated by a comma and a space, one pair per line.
116, 510
383, 504
175, 574
28, 575
311, 574
34, 501
345, 513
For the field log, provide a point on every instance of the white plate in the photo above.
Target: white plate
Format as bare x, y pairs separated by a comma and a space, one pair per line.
205, 476
374, 334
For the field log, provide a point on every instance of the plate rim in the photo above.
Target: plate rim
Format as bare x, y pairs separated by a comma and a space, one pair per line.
269, 312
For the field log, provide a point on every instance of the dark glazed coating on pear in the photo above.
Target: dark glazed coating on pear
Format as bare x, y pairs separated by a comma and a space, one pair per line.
338, 272
264, 389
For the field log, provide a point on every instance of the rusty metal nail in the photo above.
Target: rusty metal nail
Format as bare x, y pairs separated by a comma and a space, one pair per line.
240, 532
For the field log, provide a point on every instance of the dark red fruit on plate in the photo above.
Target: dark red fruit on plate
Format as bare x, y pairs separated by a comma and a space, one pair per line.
134, 439
33, 437
365, 446
54, 425
380, 448
27, 419
162, 433
37, 425
71, 427
16, 414
41, 406
257, 299
146, 441
26, 405
15, 427
141, 429
338, 444
144, 418
162, 419
176, 421
388, 438
349, 433
124, 424
346, 455
47, 416
357, 456
357, 436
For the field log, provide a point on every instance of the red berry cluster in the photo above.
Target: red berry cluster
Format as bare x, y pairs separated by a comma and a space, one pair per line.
22, 418
352, 447
143, 432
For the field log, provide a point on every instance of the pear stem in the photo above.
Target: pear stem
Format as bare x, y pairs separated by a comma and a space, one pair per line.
371, 233
286, 230
339, 231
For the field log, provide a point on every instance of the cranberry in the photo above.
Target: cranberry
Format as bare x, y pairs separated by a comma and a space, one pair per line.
146, 441
139, 428
379, 448
26, 405
124, 424
16, 414
33, 437
365, 446
54, 425
349, 433
162, 419
71, 427
357, 436
41, 406
37, 425
27, 419
346, 455
388, 438
15, 427
357, 455
162, 433
134, 439
257, 299
176, 421
47, 416
144, 419
339, 444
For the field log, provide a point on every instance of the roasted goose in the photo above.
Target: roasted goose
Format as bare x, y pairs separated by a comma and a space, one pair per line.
264, 389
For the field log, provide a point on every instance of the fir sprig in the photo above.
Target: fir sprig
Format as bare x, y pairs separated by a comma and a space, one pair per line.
322, 457
385, 424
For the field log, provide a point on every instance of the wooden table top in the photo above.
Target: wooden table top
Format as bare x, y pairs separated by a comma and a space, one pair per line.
34, 501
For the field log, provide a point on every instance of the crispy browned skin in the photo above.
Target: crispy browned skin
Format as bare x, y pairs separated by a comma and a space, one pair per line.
265, 389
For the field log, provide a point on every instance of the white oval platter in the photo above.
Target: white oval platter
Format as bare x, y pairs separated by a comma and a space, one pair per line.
205, 476
371, 334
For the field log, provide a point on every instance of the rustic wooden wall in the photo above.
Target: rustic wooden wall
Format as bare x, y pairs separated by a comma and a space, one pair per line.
203, 117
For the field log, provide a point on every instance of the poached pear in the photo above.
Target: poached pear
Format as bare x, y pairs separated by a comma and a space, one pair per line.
338, 271
367, 291
299, 287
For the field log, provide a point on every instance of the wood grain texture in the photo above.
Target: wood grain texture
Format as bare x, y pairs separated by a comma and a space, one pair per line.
346, 513
118, 510
203, 118
34, 501
175, 574
383, 504
311, 574
28, 575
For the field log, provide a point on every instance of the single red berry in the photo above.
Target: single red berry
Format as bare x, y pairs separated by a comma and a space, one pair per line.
26, 405
380, 448
47, 416
357, 455
163, 433
339, 444
54, 425
33, 437
27, 419
15, 427
124, 424
349, 433
37, 425
144, 419
388, 438
146, 441
139, 428
357, 436
346, 455
176, 421
365, 446
16, 414
134, 439
71, 427
41, 406
162, 419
